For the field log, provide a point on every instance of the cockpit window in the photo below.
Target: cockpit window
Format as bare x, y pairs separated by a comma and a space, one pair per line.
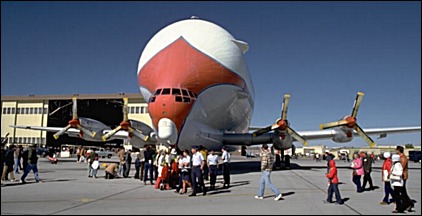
166, 91
176, 92
185, 92
186, 100
191, 94
157, 92
152, 100
178, 99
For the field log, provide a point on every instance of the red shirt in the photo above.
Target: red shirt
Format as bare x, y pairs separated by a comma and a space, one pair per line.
332, 175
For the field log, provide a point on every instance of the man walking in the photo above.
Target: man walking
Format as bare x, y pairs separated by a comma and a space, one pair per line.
367, 167
32, 164
267, 160
404, 163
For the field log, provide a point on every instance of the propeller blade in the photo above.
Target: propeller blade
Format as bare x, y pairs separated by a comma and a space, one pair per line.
86, 131
138, 134
358, 99
296, 136
284, 106
364, 136
125, 110
332, 124
74, 108
62, 131
111, 133
261, 131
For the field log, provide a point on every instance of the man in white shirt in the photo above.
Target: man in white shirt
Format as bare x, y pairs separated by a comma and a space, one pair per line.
225, 157
212, 161
198, 163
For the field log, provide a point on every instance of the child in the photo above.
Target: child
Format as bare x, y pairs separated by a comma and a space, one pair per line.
333, 183
95, 165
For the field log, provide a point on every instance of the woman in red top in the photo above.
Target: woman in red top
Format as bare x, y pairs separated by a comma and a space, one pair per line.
386, 167
333, 183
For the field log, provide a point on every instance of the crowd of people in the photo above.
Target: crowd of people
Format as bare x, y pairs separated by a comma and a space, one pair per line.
394, 175
168, 169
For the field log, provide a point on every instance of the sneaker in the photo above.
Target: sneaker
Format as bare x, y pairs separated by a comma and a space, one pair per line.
278, 197
22, 181
259, 197
383, 203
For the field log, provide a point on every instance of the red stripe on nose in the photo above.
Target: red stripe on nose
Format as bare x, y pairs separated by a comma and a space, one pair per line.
181, 65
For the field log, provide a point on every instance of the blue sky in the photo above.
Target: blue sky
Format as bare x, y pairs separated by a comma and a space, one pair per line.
322, 53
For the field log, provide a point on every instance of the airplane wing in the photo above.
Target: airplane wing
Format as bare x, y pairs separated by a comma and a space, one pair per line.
248, 139
48, 129
328, 134
73, 132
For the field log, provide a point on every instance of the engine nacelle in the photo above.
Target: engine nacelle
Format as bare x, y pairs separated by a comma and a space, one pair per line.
343, 135
282, 142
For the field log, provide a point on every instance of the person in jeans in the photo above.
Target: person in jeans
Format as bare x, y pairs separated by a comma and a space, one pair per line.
32, 164
148, 155
267, 161
333, 183
357, 172
386, 167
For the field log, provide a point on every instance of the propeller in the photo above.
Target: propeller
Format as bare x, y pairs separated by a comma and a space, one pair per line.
75, 123
282, 124
125, 125
350, 121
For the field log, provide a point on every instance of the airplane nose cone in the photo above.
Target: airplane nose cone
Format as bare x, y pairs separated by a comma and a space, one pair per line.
167, 130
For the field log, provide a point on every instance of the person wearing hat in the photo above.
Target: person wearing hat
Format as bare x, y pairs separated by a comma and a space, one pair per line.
32, 164
386, 167
396, 179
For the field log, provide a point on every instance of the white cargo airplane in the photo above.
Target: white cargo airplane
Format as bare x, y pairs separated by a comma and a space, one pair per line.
194, 77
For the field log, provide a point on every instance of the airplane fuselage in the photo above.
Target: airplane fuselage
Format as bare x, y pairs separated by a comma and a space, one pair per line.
196, 82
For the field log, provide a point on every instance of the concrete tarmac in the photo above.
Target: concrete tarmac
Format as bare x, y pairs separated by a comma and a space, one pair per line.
66, 190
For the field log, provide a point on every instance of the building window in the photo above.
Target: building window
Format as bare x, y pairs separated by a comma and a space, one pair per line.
132, 110
19, 140
31, 110
35, 110
45, 111
18, 110
142, 109
4, 110
146, 110
13, 110
137, 110
8, 110
39, 110
26, 110
24, 140
34, 140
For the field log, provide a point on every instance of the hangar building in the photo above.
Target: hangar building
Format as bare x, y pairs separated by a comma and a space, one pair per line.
56, 111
